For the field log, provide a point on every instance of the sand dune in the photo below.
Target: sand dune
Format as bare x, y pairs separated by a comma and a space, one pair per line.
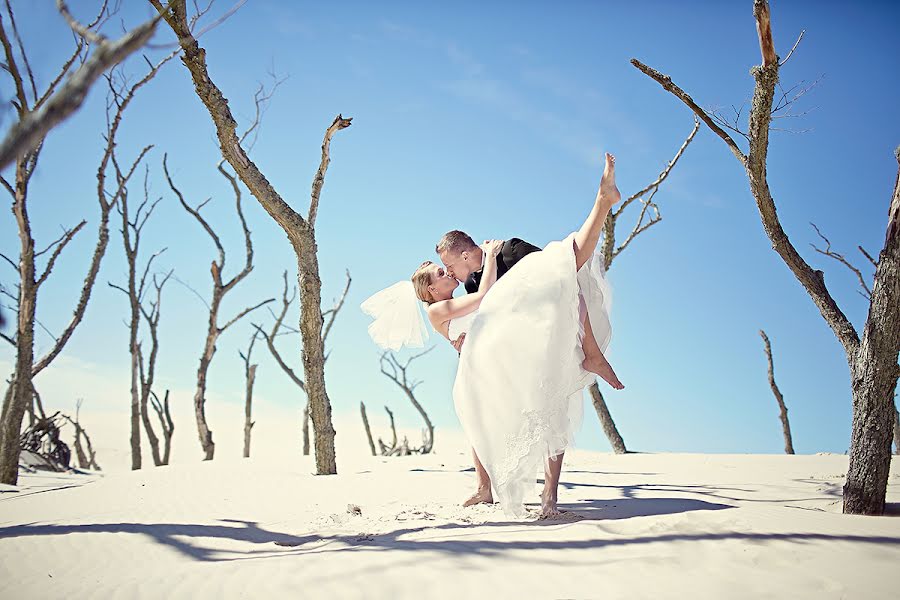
638, 526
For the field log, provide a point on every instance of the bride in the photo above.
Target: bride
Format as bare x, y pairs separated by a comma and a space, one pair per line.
534, 339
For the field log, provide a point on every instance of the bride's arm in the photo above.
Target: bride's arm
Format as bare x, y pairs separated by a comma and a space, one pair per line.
441, 312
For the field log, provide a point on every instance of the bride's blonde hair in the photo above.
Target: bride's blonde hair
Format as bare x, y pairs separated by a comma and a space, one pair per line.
421, 279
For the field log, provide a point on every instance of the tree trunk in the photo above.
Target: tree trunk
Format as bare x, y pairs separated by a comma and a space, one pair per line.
248, 423
206, 439
20, 394
872, 360
783, 413
300, 231
365, 420
313, 354
135, 408
306, 428
606, 421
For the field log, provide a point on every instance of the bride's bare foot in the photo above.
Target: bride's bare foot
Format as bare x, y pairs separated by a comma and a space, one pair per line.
609, 193
548, 505
482, 496
599, 365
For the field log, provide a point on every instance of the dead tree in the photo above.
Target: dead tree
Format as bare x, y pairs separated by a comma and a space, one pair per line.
29, 102
133, 222
271, 336
85, 460
872, 360
365, 420
42, 444
783, 413
610, 248
58, 102
300, 231
219, 289
166, 425
250, 378
865, 292
396, 371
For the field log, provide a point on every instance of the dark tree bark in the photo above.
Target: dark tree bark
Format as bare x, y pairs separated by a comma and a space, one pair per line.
300, 232
783, 413
606, 421
873, 359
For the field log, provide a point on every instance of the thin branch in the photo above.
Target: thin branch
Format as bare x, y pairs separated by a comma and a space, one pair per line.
195, 212
666, 82
867, 293
797, 43
338, 124
332, 312
28, 133
67, 237
243, 313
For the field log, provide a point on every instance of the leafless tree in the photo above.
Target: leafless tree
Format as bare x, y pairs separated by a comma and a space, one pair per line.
610, 248
396, 371
783, 413
866, 292
365, 420
250, 378
275, 332
29, 102
85, 460
300, 231
873, 359
59, 100
133, 222
219, 289
166, 425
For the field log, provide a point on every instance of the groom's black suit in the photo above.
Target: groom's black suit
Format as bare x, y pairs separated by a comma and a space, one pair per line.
512, 251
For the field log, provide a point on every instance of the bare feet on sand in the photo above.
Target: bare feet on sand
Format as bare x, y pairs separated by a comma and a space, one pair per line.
609, 193
482, 496
599, 365
548, 506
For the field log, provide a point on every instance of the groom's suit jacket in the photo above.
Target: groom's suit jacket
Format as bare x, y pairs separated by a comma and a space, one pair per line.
512, 251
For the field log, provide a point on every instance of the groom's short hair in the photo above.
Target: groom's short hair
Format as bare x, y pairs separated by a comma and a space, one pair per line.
455, 241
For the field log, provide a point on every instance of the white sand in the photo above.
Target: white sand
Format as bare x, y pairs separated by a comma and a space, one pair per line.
640, 526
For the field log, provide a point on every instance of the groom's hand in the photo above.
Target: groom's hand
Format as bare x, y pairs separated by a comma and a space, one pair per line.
458, 342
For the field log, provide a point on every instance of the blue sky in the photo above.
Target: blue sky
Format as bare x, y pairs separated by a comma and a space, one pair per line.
492, 119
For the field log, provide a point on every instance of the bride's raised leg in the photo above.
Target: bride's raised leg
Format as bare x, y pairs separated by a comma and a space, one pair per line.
552, 470
588, 236
482, 493
594, 361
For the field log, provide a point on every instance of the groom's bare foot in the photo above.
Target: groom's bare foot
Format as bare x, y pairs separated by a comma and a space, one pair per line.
600, 366
482, 496
609, 193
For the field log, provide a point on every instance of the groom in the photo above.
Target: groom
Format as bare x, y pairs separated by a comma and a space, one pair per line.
464, 260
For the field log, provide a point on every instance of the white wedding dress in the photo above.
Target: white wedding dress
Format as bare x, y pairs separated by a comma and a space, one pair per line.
518, 388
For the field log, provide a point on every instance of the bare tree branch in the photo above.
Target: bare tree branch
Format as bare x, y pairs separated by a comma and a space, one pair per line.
67, 237
785, 424
791, 53
333, 312
28, 132
666, 82
867, 293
